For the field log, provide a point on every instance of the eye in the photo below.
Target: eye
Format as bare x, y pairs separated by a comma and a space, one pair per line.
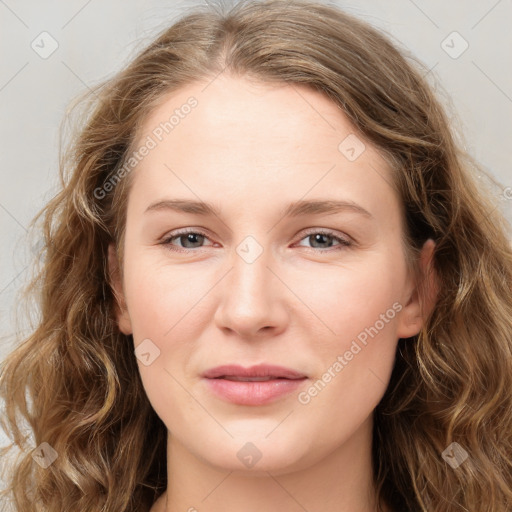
188, 237
320, 237
191, 239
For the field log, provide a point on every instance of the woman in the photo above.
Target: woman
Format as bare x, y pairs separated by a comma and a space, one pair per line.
259, 370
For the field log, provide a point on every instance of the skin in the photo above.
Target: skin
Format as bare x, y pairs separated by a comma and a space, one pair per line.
251, 149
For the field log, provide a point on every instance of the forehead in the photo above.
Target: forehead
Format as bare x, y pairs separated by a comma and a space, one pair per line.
253, 141
250, 111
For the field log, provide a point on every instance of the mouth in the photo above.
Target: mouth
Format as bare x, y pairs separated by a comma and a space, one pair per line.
237, 378
258, 372
257, 385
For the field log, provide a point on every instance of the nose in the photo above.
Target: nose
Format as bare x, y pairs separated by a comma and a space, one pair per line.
252, 298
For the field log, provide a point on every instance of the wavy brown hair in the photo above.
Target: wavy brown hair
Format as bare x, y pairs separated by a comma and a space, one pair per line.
75, 379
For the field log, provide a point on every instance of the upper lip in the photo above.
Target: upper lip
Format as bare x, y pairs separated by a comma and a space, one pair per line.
261, 370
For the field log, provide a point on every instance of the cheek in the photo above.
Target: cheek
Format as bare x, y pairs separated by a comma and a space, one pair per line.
161, 298
167, 305
333, 312
161, 306
356, 341
330, 302
343, 301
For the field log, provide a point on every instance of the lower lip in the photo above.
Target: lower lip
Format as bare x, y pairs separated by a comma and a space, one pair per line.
253, 393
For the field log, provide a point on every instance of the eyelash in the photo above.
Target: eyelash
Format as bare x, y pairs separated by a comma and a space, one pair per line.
343, 243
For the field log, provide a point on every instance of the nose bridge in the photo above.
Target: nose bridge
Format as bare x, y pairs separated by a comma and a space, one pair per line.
250, 275
248, 301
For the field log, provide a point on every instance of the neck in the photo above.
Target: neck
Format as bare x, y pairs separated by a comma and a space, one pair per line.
341, 481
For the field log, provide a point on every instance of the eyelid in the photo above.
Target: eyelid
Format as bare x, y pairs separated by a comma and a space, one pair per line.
330, 232
344, 241
181, 232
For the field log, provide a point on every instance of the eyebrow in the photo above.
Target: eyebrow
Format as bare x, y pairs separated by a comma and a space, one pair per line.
295, 209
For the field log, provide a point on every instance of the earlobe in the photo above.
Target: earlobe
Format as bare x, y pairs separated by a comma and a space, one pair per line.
423, 297
121, 310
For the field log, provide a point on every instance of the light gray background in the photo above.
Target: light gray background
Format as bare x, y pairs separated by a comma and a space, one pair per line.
95, 38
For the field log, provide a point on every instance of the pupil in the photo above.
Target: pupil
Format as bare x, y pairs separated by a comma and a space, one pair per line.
190, 237
318, 237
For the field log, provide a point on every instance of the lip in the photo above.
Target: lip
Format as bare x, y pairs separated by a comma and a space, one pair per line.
281, 381
260, 370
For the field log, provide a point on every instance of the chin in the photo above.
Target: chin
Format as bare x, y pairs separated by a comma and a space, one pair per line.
257, 455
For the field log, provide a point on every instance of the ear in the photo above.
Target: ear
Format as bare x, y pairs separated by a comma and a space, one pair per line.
418, 306
123, 318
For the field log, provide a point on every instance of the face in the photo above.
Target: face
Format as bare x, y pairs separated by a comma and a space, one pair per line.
325, 294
